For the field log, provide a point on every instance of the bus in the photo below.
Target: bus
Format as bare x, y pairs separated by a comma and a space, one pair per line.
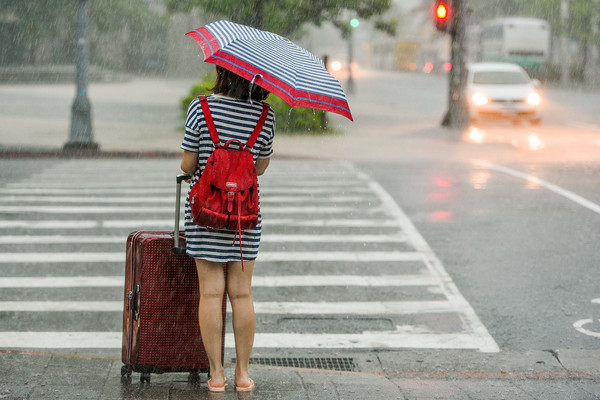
523, 41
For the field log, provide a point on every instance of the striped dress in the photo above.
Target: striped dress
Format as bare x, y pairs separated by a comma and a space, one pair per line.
234, 119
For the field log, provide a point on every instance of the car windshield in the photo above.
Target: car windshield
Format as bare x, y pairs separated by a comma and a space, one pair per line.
499, 78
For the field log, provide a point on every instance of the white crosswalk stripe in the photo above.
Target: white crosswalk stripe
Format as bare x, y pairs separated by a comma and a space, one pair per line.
65, 235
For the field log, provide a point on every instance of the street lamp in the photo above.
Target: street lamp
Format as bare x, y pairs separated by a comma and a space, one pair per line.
81, 137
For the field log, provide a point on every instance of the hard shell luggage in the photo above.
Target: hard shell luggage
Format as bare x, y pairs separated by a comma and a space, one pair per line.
160, 314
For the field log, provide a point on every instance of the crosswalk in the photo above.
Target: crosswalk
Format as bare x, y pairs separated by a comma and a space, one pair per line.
340, 265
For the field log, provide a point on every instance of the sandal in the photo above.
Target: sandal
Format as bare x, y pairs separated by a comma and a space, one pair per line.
216, 388
245, 388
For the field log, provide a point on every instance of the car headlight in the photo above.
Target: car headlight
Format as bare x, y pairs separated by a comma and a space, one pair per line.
533, 99
479, 99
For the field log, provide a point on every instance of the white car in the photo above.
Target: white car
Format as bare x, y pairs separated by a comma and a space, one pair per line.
502, 91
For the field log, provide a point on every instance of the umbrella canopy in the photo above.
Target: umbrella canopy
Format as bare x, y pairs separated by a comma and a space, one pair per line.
274, 63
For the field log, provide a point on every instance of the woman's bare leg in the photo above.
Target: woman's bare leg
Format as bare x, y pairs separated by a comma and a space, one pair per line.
239, 288
210, 315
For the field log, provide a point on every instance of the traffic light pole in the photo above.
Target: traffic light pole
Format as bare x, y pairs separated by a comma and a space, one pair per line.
457, 115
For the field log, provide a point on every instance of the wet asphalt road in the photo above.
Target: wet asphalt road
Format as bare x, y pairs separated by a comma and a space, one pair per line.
514, 224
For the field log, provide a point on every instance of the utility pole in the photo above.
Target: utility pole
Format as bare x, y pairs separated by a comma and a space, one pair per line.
564, 44
350, 85
592, 69
81, 137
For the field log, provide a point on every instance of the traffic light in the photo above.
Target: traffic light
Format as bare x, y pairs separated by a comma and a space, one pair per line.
442, 15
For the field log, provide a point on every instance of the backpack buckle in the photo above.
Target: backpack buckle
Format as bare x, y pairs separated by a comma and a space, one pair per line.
230, 198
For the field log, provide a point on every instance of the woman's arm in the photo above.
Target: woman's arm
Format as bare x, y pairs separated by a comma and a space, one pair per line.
261, 165
189, 162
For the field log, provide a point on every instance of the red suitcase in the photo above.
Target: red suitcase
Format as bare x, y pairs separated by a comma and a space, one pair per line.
160, 317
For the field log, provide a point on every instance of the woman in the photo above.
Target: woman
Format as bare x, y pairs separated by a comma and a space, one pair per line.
235, 115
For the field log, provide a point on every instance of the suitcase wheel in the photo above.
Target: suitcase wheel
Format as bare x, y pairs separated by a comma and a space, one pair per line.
125, 371
145, 377
125, 374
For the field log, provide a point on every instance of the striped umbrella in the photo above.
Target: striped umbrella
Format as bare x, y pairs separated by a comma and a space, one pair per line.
274, 63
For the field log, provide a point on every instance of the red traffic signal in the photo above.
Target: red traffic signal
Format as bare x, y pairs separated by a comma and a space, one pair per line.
442, 15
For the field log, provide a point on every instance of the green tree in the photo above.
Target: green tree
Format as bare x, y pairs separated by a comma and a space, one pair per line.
27, 24
286, 17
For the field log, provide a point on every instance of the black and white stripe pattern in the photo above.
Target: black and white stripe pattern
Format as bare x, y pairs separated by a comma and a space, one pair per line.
234, 119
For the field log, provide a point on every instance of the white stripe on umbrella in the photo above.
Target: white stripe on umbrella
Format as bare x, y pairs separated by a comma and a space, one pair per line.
287, 70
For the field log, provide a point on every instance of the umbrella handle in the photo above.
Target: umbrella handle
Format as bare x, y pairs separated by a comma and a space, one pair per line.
251, 86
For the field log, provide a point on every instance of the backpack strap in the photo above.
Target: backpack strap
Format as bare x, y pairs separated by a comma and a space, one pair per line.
210, 124
259, 125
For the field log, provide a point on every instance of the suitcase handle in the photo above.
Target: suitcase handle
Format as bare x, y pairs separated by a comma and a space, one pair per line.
134, 302
176, 248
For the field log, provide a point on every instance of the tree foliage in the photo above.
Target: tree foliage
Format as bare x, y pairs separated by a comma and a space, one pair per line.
27, 24
285, 17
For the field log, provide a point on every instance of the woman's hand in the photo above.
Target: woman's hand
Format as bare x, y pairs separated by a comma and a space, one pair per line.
189, 162
261, 165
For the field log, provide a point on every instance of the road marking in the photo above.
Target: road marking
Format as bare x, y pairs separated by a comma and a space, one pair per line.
472, 337
579, 326
371, 340
61, 281
257, 281
87, 184
478, 331
344, 280
39, 209
366, 256
61, 306
83, 257
51, 224
138, 224
170, 200
68, 190
278, 238
59, 239
85, 192
275, 307
270, 222
61, 340
550, 186
61, 257
354, 307
267, 238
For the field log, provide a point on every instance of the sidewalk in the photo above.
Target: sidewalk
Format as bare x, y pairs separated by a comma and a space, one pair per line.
141, 117
560, 375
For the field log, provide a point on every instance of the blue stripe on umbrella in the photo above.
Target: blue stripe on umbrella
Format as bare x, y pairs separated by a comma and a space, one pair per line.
283, 90
250, 72
278, 71
272, 66
274, 57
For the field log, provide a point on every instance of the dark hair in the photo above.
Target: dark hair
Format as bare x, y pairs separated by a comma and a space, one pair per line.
233, 85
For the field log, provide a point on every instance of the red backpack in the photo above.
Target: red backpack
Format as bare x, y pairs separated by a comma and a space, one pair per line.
226, 195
